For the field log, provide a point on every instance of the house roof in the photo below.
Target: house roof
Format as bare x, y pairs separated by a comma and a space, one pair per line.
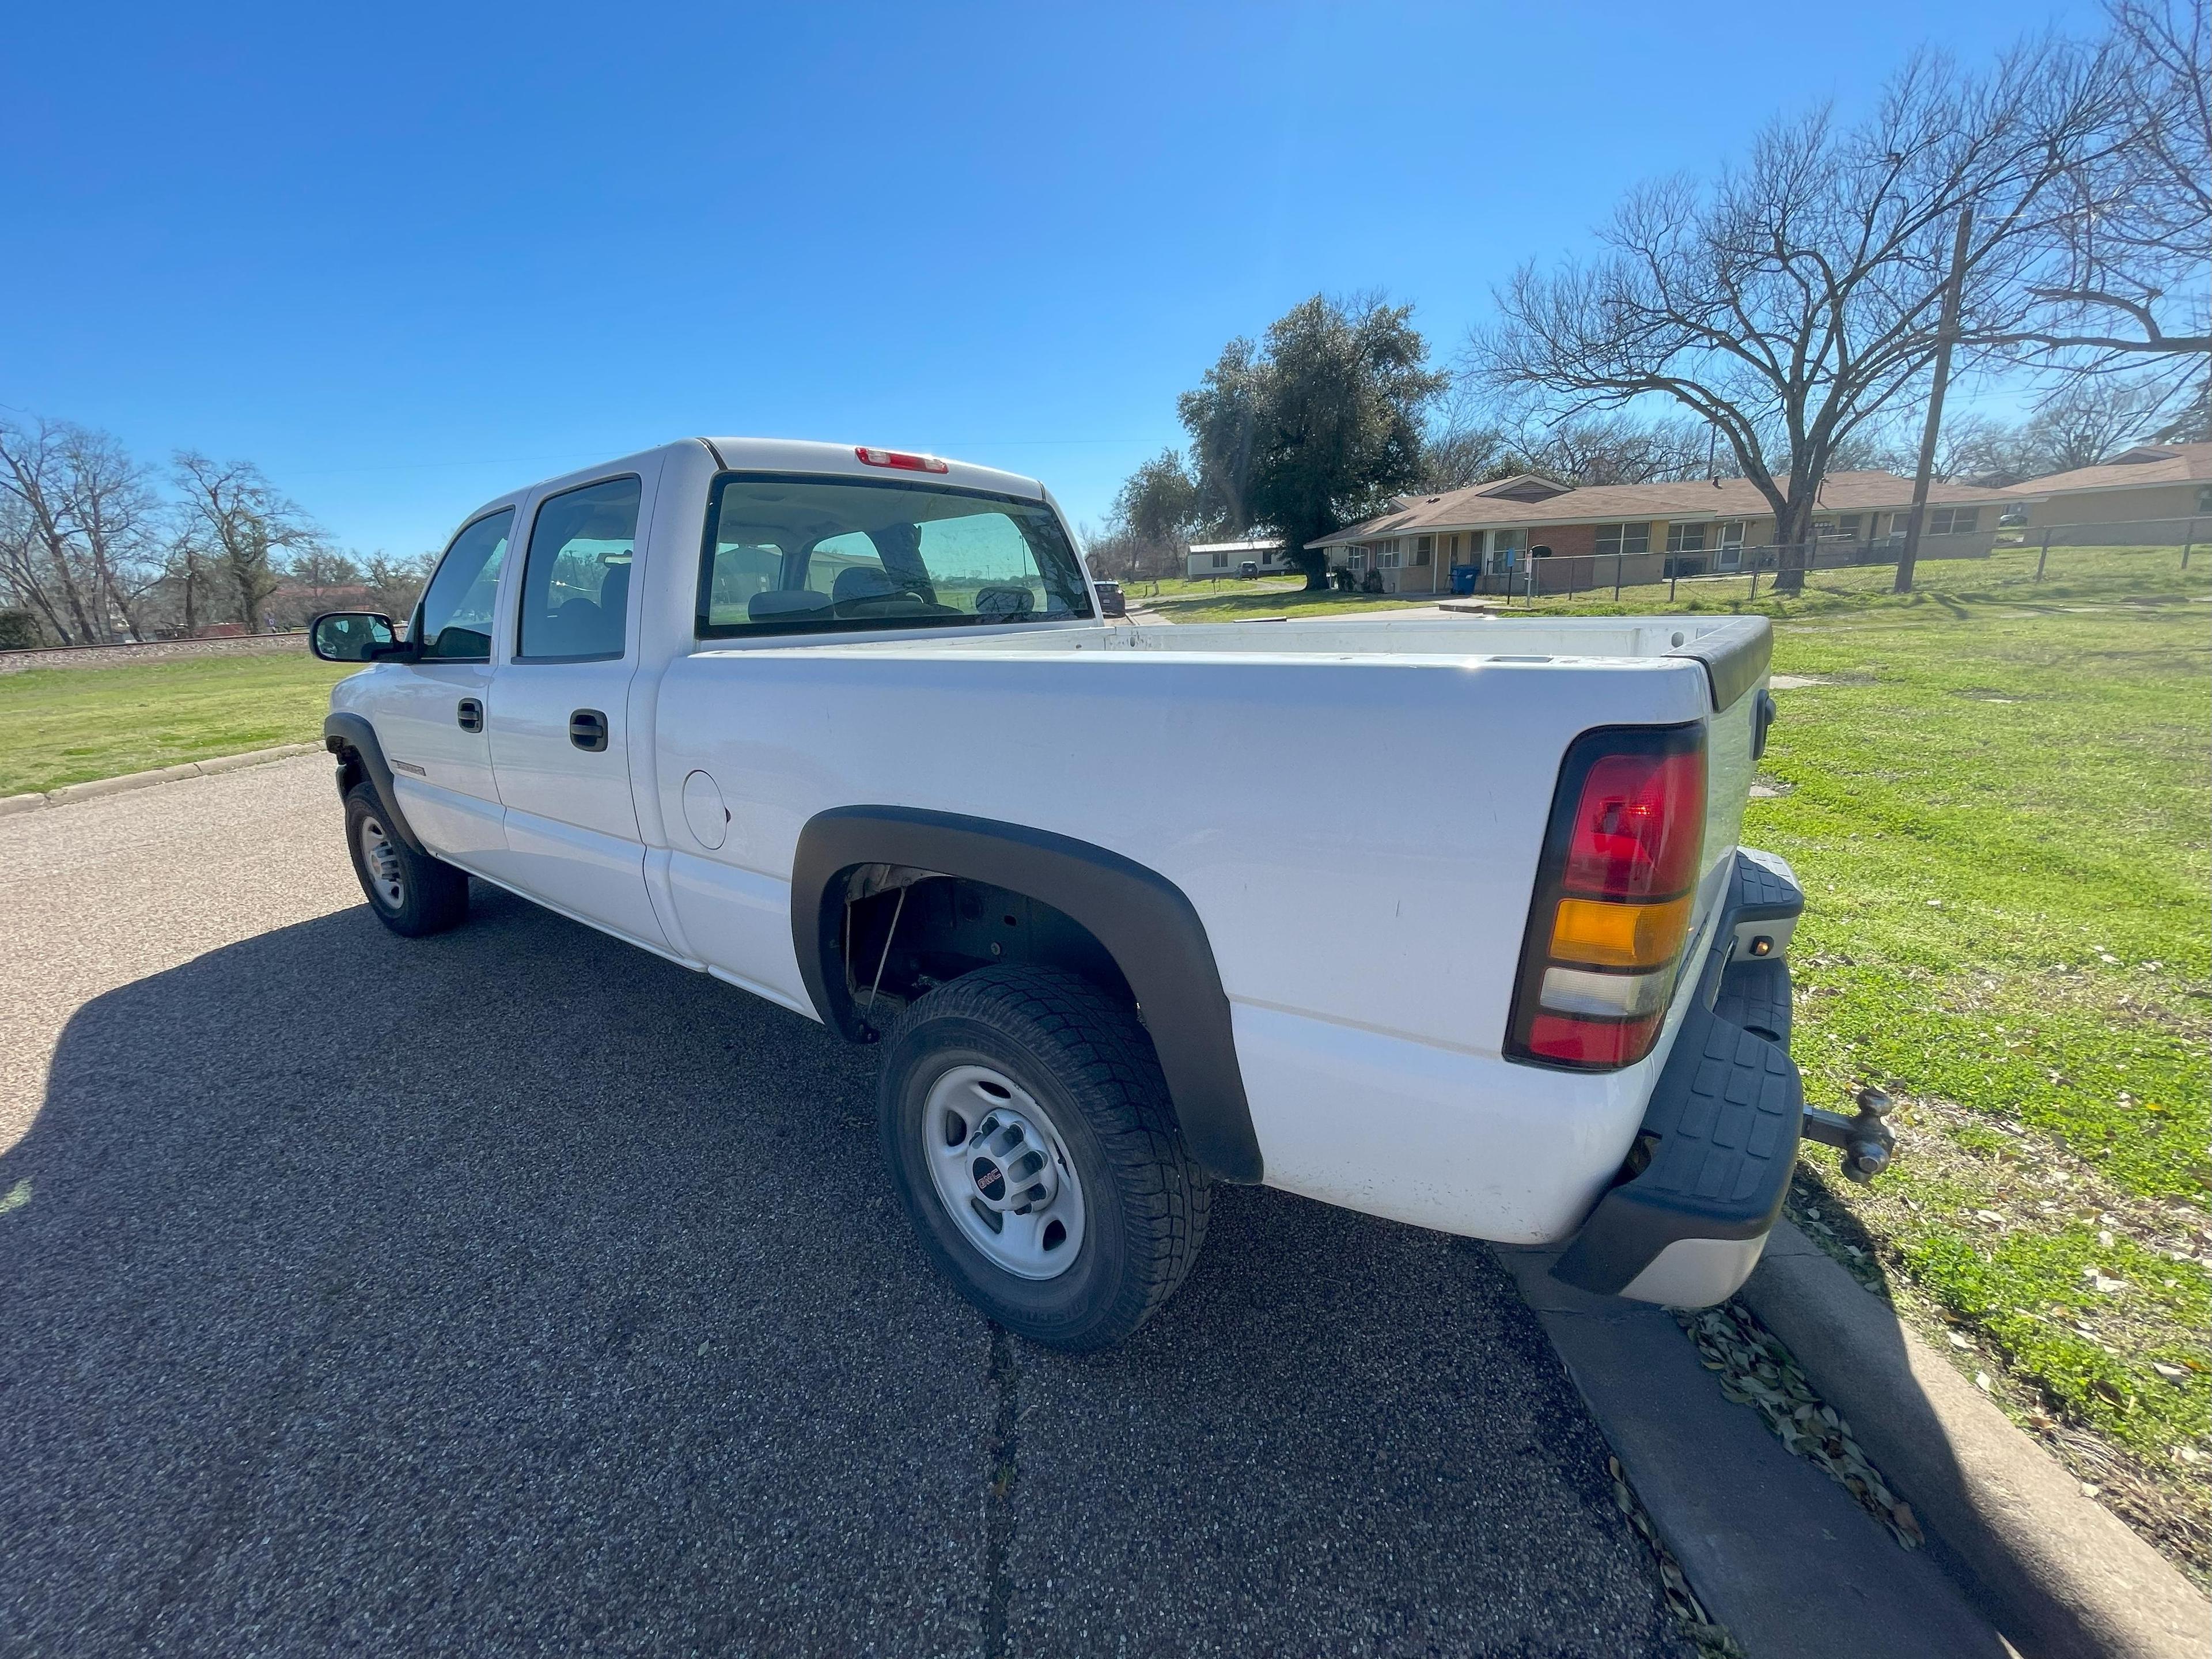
1698, 499
1273, 546
1522, 487
2152, 463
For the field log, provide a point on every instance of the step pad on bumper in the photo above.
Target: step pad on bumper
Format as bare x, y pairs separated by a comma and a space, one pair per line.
1756, 996
1719, 1137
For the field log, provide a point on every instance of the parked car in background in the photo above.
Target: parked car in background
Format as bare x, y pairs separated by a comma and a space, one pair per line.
813, 721
1111, 601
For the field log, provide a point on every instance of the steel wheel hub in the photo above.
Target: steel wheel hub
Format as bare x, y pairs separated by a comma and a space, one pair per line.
1002, 1172
381, 859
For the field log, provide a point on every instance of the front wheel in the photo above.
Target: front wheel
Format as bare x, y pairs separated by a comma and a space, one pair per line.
411, 893
1029, 1133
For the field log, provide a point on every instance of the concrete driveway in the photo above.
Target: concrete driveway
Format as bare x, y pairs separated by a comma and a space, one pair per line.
514, 1292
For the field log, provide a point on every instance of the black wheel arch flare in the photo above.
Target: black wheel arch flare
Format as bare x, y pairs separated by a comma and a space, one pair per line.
352, 733
1144, 921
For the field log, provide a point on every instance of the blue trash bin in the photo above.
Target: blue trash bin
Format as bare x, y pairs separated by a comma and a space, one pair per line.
1463, 577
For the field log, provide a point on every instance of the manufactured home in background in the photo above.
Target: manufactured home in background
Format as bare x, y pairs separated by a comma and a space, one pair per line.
1204, 559
1698, 528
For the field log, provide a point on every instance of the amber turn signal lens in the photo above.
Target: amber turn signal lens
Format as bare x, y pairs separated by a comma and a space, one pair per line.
1606, 933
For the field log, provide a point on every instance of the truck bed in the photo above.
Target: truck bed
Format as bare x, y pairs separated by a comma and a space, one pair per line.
1380, 786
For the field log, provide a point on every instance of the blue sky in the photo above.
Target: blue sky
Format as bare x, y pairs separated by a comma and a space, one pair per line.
406, 258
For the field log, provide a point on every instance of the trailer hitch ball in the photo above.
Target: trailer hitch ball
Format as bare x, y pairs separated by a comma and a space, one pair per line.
1866, 1140
1866, 1152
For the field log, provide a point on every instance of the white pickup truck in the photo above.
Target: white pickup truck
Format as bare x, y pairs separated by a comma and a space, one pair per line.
1444, 921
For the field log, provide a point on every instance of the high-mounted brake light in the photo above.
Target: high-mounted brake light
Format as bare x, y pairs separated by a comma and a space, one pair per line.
1613, 896
902, 459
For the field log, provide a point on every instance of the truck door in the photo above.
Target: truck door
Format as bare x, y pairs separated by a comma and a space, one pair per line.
560, 740
432, 721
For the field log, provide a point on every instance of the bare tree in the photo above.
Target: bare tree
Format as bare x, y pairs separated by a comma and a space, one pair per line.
1458, 456
237, 521
45, 566
320, 578
1621, 449
23, 582
1793, 300
2093, 419
2121, 281
1477, 443
397, 582
117, 517
75, 518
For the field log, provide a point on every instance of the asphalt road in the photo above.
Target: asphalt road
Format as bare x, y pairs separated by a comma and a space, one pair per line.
516, 1292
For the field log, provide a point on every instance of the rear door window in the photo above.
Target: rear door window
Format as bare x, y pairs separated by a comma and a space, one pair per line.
793, 554
575, 578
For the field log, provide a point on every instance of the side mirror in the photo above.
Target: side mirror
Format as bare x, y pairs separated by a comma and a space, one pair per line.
353, 637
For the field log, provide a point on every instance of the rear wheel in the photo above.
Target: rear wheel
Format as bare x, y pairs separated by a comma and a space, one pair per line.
1031, 1136
411, 893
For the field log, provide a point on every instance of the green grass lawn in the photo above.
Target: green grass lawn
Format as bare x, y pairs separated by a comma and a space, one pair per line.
62, 725
1143, 589
2000, 820
1237, 600
2072, 577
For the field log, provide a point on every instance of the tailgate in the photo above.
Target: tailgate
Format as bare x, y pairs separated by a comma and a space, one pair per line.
1734, 656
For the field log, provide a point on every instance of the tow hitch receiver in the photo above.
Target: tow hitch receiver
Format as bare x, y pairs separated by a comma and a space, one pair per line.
1867, 1139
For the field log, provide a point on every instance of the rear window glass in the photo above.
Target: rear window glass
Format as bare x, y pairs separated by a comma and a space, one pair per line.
786, 555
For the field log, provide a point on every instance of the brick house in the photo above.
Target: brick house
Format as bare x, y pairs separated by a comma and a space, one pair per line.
2170, 481
1705, 526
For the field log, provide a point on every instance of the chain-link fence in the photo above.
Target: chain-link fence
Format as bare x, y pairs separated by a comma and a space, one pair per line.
1570, 576
2150, 535
1746, 572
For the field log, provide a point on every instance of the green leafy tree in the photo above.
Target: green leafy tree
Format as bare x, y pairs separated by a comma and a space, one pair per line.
1319, 425
1159, 502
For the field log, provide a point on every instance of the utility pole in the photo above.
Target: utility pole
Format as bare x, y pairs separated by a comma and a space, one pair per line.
1947, 331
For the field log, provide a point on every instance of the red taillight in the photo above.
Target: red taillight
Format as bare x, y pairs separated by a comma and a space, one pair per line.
1612, 909
1597, 1044
902, 459
1638, 826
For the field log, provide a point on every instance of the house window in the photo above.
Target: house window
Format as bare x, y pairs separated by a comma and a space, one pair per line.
1688, 538
1624, 538
1355, 558
1221, 561
1952, 520
2204, 498
1425, 548
1388, 560
1846, 528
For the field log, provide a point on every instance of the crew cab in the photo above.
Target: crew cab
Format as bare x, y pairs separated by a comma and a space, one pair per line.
1441, 920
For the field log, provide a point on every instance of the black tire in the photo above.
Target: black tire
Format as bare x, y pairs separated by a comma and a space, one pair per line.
432, 896
1086, 1059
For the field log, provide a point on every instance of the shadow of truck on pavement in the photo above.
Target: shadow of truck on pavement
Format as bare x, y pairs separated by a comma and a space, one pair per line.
514, 1291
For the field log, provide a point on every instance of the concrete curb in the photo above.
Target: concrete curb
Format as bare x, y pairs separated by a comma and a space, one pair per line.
10, 804
1777, 1551
2063, 1575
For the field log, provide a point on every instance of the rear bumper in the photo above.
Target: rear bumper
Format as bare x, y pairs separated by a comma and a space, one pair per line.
1687, 1220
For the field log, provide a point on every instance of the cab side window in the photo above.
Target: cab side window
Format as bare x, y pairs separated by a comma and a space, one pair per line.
453, 620
575, 579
